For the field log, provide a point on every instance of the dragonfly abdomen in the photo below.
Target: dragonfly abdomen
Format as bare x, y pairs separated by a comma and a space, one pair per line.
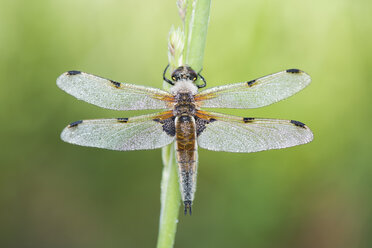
186, 147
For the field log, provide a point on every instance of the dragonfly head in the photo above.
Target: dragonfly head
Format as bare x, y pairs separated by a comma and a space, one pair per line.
184, 73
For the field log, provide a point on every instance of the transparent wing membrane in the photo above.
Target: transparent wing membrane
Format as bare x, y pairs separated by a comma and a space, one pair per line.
124, 134
215, 131
110, 94
256, 93
237, 134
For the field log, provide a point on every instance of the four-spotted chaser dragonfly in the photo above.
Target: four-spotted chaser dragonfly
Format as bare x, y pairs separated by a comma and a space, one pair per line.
183, 119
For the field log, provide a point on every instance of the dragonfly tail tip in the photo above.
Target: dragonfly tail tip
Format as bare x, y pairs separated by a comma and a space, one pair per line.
187, 206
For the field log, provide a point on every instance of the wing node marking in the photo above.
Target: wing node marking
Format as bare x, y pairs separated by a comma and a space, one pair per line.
122, 120
116, 84
248, 119
251, 83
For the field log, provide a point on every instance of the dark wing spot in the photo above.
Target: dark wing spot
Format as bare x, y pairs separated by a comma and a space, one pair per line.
74, 124
298, 123
251, 83
122, 120
116, 84
73, 72
201, 124
293, 71
168, 125
248, 119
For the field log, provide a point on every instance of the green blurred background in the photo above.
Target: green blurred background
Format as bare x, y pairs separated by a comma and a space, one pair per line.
53, 194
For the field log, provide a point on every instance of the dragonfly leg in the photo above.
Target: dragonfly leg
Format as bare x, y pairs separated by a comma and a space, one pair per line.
165, 78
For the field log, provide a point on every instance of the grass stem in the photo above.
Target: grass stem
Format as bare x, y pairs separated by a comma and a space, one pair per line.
195, 14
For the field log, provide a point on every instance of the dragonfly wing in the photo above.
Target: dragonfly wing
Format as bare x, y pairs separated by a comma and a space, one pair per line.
256, 93
110, 94
123, 134
237, 134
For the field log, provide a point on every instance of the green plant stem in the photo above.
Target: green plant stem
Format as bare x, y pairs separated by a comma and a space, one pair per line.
196, 26
170, 199
195, 29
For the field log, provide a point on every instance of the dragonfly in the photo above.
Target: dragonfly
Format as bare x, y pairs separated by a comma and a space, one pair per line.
182, 119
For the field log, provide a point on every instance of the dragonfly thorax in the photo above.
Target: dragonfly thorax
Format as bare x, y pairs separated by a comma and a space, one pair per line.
185, 104
184, 86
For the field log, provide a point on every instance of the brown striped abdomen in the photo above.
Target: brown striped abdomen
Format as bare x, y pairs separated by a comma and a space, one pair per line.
186, 147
